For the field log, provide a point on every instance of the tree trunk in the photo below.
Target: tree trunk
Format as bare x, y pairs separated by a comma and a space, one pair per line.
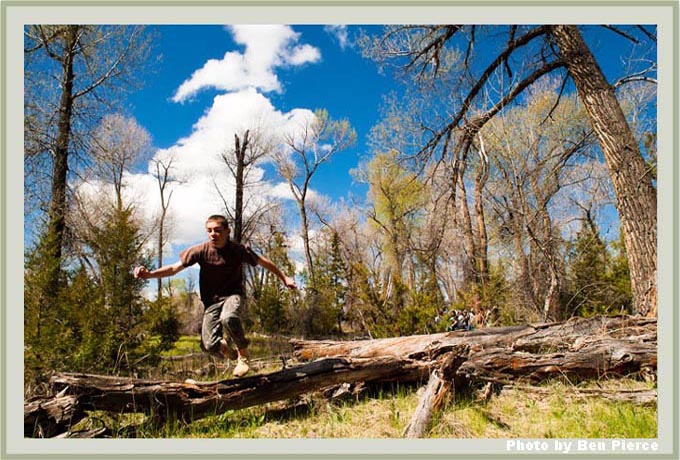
470, 273
162, 178
305, 239
483, 240
240, 151
636, 196
57, 212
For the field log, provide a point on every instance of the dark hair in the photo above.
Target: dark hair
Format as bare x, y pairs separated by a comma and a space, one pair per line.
220, 219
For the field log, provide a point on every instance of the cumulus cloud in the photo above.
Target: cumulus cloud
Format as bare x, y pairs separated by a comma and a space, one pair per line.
340, 33
267, 47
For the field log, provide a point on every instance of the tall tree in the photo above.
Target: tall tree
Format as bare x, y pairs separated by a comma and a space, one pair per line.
636, 197
118, 143
397, 198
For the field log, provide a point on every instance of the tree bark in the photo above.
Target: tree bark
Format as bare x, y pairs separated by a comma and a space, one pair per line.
635, 194
46, 417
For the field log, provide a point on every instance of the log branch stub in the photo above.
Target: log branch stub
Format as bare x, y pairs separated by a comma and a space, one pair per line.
430, 401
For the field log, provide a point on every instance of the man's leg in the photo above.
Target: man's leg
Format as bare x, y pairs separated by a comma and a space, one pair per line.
211, 333
230, 319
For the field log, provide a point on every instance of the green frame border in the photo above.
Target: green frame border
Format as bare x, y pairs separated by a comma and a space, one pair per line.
4, 199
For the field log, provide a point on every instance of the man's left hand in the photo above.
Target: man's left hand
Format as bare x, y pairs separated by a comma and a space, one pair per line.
290, 283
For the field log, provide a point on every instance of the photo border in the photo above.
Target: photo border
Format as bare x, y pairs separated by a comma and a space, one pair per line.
312, 12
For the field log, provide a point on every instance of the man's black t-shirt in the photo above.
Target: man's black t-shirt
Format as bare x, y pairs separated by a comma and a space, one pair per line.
220, 275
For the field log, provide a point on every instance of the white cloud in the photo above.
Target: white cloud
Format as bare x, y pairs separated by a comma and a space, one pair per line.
282, 191
303, 54
340, 33
267, 47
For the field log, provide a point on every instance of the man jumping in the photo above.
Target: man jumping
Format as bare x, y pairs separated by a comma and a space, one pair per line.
222, 291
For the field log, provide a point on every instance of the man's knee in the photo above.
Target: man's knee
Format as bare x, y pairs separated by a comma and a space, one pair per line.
212, 347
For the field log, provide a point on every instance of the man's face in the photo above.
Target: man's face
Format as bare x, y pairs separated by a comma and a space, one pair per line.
217, 234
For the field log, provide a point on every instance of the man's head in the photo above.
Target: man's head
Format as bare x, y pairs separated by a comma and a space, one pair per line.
217, 228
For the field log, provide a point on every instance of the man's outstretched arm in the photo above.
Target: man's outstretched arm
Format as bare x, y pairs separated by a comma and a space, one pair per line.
166, 270
269, 265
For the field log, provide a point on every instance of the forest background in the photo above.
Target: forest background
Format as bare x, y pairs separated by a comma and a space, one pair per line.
481, 182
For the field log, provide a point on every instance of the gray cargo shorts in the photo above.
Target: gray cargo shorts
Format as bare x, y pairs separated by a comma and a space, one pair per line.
220, 317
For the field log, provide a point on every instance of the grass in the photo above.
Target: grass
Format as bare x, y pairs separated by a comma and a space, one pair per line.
555, 411
185, 345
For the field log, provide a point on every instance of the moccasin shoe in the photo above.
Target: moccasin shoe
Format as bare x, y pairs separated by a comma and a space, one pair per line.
242, 367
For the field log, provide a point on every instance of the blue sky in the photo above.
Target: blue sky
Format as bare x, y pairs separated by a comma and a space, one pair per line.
341, 81
213, 80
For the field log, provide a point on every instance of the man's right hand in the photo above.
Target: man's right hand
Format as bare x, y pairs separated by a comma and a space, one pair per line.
141, 272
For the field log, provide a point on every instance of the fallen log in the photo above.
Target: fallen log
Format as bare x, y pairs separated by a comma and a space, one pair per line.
576, 349
195, 400
579, 348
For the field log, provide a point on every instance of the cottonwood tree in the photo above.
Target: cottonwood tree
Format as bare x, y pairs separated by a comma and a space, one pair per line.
528, 54
71, 72
397, 200
316, 141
